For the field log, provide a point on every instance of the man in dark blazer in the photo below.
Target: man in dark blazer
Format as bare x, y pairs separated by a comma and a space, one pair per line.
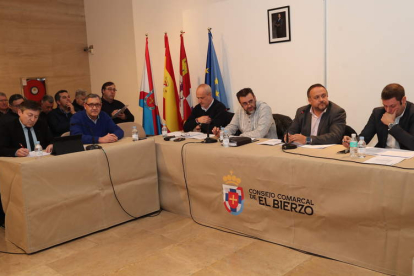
320, 122
15, 139
393, 123
209, 113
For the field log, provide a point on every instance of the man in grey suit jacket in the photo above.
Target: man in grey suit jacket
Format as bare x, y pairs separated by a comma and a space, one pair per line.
320, 122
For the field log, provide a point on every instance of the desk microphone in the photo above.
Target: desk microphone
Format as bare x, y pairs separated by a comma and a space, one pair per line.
208, 139
287, 145
94, 145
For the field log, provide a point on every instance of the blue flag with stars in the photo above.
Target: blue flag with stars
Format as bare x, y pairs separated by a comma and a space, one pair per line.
213, 74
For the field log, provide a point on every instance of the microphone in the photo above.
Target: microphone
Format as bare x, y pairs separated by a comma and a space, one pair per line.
287, 145
208, 139
94, 145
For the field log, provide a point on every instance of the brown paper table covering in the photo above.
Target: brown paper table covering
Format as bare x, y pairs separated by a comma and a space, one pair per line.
357, 213
58, 198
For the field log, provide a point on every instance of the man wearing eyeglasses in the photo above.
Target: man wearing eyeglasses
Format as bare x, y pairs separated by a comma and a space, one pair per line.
320, 122
112, 106
94, 125
15, 101
254, 119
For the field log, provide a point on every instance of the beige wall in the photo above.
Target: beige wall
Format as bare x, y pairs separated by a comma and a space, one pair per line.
43, 38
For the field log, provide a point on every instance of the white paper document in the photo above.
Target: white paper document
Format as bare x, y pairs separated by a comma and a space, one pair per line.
33, 154
271, 142
389, 152
384, 160
316, 146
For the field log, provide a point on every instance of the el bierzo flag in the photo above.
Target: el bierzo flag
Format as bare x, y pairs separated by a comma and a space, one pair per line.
150, 116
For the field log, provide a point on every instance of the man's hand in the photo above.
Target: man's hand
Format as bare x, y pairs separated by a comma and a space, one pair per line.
121, 116
216, 131
49, 148
109, 138
204, 120
22, 152
197, 129
70, 108
345, 141
298, 138
388, 118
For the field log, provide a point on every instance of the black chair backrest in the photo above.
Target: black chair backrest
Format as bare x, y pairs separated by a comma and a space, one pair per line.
283, 123
349, 130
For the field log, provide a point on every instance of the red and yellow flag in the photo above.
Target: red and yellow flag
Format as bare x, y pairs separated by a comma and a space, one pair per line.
171, 115
185, 85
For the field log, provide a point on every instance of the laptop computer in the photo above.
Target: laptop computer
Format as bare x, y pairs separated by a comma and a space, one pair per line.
67, 144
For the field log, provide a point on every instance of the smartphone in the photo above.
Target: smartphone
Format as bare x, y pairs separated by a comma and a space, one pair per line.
345, 151
178, 139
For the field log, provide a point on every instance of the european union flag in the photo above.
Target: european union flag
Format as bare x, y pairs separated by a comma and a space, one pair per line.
213, 74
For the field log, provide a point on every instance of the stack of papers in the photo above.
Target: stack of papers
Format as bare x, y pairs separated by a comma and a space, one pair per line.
270, 142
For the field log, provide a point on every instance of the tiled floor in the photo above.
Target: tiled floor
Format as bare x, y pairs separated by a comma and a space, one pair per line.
168, 244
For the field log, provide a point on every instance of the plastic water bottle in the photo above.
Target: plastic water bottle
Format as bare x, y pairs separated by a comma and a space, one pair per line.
353, 146
134, 133
38, 150
226, 138
164, 130
361, 147
221, 134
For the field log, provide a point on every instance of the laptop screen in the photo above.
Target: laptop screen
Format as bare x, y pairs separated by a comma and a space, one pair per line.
67, 144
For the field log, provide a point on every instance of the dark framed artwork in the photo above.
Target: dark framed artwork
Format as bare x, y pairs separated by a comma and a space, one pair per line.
279, 24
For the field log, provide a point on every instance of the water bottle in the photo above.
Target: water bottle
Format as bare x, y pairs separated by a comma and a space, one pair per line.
221, 134
164, 130
226, 138
38, 150
134, 133
361, 147
353, 146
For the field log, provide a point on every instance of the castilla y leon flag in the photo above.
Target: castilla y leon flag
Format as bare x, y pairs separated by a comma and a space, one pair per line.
171, 112
185, 85
150, 115
213, 74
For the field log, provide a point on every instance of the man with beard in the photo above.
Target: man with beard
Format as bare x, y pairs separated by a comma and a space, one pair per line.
254, 119
320, 122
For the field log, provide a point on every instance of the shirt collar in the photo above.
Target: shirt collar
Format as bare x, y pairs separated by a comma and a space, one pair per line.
205, 109
311, 111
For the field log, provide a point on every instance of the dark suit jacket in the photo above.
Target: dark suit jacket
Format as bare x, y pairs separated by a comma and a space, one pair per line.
403, 132
12, 135
217, 112
331, 127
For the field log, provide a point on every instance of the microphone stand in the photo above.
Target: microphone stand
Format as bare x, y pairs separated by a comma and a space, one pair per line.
287, 145
94, 146
209, 139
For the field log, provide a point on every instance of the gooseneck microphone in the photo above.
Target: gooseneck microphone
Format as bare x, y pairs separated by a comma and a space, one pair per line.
288, 145
209, 139
94, 145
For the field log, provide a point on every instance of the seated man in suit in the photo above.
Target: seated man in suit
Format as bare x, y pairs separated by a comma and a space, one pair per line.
393, 123
208, 113
254, 119
112, 106
94, 125
18, 137
59, 118
320, 122
14, 105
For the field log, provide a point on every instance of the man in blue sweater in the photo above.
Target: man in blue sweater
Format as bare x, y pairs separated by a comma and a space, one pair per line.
94, 125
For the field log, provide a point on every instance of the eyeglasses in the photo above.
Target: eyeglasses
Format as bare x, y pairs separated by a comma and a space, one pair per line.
91, 105
111, 89
245, 104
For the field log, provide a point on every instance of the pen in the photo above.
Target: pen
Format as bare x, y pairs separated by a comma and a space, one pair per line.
21, 146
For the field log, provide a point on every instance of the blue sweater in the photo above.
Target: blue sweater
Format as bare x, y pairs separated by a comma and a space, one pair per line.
81, 124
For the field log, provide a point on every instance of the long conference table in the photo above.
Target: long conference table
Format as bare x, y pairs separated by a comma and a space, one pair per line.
331, 206
356, 213
54, 199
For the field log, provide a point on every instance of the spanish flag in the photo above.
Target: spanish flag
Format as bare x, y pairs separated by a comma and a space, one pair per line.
172, 116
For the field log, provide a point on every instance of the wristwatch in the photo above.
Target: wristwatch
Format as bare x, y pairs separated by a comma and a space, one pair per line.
390, 125
308, 140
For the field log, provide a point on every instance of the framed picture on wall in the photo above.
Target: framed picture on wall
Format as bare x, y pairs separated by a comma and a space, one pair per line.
279, 24
34, 88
